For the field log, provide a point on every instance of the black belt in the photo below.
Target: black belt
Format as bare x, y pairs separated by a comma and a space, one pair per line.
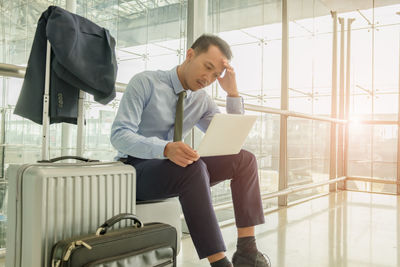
123, 160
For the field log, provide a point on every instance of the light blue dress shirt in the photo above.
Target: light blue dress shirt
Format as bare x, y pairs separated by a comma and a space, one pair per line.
144, 123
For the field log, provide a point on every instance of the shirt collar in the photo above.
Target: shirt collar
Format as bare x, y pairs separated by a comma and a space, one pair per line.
176, 83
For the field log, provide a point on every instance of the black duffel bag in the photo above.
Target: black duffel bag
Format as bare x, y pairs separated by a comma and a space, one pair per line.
153, 244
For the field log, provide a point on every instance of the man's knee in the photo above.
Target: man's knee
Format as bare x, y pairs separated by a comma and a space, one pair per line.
197, 173
197, 167
248, 159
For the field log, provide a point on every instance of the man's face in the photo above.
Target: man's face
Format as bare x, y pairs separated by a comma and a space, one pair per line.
204, 68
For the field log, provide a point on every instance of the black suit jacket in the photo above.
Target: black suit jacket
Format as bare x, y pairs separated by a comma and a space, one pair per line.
82, 58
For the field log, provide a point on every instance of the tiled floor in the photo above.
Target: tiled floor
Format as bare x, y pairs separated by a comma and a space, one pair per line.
342, 229
345, 229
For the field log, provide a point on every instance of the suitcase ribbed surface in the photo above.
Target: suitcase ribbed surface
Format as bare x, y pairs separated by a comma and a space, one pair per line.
67, 204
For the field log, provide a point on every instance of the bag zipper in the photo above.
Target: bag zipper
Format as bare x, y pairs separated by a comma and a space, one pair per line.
164, 263
95, 240
74, 245
133, 254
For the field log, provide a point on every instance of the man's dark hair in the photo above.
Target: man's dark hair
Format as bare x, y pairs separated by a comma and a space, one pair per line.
202, 44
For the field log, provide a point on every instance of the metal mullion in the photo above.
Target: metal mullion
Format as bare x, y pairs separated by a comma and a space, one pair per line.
3, 104
332, 165
190, 38
398, 127
3, 127
347, 101
146, 53
196, 26
340, 166
263, 116
283, 171
372, 130
196, 20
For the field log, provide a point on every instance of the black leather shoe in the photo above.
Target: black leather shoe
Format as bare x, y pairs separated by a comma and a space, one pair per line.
254, 260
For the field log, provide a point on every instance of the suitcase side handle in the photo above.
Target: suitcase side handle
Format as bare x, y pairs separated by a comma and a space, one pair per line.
102, 230
67, 157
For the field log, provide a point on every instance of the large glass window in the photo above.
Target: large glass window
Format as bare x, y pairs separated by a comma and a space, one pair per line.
374, 96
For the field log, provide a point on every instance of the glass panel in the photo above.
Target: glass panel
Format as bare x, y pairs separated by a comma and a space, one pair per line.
360, 149
308, 155
322, 67
310, 57
263, 141
387, 59
361, 86
299, 151
385, 152
384, 188
248, 79
272, 69
371, 187
320, 151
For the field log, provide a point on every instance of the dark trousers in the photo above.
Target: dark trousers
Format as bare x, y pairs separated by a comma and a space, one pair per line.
163, 179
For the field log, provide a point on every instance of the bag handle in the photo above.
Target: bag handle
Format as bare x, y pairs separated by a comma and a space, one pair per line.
102, 230
67, 157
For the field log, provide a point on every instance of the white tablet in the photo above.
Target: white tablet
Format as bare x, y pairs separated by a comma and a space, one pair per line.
226, 134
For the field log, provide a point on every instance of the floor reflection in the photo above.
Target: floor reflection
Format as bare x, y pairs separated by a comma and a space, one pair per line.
344, 229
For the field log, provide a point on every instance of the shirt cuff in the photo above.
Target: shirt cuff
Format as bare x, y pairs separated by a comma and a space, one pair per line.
158, 149
234, 105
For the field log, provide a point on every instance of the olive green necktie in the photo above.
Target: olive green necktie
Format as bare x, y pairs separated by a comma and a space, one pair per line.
179, 117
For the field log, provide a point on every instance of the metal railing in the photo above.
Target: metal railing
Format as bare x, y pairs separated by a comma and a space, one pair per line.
9, 70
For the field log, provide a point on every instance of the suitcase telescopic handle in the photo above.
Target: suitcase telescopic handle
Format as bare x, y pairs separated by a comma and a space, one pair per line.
117, 218
67, 157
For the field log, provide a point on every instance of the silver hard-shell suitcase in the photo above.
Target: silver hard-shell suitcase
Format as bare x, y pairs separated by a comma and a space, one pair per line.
53, 201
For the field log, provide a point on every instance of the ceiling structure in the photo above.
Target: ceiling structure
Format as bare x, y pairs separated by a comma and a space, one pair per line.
136, 22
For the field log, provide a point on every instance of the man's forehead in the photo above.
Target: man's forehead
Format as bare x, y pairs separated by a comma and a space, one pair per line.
216, 62
214, 54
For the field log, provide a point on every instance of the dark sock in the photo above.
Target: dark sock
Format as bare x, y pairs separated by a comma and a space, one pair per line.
246, 245
222, 263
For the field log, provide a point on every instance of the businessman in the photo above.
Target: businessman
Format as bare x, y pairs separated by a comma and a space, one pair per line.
157, 109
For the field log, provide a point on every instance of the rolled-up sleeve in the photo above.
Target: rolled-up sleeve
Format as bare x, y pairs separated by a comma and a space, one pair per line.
124, 131
234, 105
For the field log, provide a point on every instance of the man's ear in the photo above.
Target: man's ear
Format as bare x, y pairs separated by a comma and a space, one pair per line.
190, 53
